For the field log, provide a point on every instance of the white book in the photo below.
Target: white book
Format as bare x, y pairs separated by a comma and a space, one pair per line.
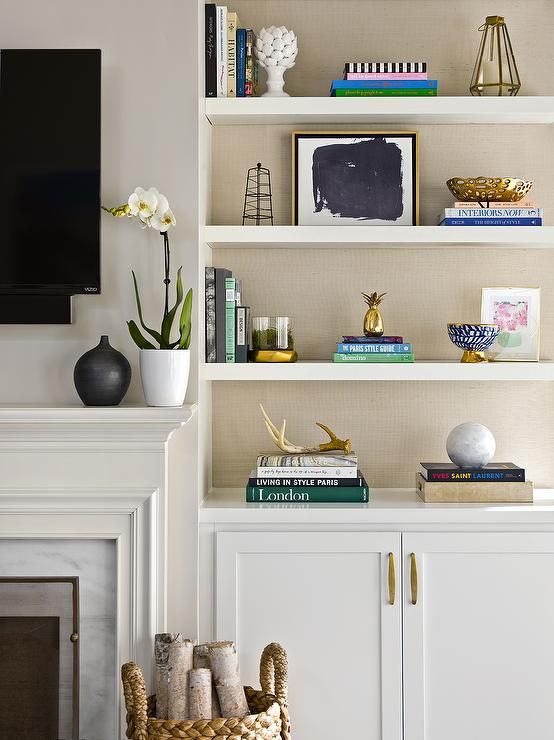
221, 56
345, 471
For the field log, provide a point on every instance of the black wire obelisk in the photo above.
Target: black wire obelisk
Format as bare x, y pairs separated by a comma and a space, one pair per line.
258, 206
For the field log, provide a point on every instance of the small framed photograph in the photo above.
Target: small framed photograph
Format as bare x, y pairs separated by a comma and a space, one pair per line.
517, 312
355, 177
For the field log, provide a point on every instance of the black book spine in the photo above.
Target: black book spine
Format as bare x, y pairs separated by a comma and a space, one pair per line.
317, 482
475, 476
241, 333
210, 315
220, 274
210, 51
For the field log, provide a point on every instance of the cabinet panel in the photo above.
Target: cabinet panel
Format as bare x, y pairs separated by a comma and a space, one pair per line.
325, 597
479, 642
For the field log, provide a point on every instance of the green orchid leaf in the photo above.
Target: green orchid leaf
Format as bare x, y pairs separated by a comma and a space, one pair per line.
167, 322
137, 337
153, 333
185, 322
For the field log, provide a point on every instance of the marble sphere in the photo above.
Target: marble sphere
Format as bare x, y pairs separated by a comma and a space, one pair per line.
470, 445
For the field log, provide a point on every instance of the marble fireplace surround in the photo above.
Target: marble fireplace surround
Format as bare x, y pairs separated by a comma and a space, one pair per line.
79, 473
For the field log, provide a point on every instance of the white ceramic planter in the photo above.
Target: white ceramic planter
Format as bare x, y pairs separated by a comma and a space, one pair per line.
165, 376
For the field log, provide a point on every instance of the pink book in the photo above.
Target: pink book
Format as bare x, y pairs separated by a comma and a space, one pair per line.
497, 204
386, 76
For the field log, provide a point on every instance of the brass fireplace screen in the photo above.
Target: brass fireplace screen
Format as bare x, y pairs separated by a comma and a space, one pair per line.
39, 655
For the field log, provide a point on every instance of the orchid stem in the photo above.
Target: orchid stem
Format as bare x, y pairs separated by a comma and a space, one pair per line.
166, 280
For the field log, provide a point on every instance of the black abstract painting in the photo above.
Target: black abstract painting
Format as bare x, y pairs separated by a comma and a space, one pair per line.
360, 180
355, 179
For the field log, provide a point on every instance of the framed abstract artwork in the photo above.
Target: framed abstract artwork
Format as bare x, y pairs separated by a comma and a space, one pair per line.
355, 177
517, 312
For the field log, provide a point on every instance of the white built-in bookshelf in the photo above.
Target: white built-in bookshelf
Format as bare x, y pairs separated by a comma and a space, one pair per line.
531, 113
386, 237
406, 111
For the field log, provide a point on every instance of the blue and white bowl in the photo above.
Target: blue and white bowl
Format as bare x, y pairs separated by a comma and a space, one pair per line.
474, 339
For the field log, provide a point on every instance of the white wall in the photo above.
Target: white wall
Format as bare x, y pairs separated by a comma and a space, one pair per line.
148, 138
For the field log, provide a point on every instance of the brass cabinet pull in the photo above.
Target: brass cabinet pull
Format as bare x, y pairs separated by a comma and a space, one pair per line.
413, 577
392, 579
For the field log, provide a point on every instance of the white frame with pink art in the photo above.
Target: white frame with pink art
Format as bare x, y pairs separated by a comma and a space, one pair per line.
517, 322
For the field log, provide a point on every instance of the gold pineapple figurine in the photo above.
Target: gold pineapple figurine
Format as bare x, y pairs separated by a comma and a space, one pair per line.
373, 321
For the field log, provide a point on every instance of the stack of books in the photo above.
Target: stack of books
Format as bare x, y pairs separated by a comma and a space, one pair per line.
231, 67
227, 318
354, 350
331, 477
494, 483
522, 213
380, 79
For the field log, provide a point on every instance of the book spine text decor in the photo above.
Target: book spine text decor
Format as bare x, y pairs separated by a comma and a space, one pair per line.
221, 30
232, 24
210, 48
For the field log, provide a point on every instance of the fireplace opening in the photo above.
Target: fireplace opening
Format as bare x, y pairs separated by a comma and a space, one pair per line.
39, 658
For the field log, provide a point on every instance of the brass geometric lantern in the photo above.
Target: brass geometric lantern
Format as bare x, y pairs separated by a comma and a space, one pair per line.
495, 71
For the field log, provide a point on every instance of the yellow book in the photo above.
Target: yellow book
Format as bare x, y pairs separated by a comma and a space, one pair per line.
232, 25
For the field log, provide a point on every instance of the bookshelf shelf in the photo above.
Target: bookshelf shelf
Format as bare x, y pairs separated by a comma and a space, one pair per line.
389, 506
432, 237
423, 370
447, 110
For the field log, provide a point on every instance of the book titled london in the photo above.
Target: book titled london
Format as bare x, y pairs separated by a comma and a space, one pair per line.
493, 472
307, 495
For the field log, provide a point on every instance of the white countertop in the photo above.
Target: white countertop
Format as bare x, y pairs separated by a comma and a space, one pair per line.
389, 506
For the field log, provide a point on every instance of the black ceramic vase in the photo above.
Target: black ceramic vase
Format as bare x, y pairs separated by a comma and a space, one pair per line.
102, 375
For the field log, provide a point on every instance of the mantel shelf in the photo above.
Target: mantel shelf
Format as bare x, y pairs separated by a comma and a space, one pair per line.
423, 370
78, 427
375, 237
316, 110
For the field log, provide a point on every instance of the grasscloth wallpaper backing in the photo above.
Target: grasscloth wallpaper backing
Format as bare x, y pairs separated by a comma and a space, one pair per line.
393, 425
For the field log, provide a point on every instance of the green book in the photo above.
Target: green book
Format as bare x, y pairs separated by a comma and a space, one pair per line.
230, 304
400, 92
307, 494
355, 357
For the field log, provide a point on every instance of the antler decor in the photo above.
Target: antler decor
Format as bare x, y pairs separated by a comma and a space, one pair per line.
278, 436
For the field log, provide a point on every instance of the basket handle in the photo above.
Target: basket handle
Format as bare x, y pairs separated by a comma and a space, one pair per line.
135, 701
274, 672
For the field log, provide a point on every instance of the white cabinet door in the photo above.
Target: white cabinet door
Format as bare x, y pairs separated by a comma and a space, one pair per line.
325, 597
479, 642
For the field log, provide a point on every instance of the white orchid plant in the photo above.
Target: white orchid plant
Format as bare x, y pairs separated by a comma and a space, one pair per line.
150, 210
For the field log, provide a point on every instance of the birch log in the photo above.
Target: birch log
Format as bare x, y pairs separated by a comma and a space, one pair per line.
173, 656
202, 660
230, 692
200, 694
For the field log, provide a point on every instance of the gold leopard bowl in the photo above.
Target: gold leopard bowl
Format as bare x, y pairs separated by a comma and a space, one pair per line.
489, 189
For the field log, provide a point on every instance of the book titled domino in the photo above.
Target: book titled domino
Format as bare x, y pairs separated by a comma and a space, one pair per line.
385, 67
492, 222
373, 348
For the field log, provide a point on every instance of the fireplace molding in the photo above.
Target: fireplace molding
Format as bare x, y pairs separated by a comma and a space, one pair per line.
77, 428
84, 473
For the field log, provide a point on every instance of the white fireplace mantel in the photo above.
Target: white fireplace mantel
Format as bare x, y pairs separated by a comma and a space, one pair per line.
90, 427
77, 472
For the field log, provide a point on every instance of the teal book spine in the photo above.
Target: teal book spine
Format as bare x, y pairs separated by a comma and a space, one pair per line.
355, 358
230, 305
307, 495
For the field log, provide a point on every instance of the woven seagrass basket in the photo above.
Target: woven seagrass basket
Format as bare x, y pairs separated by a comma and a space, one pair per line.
269, 719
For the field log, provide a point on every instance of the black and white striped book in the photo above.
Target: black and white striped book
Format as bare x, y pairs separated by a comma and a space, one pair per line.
381, 67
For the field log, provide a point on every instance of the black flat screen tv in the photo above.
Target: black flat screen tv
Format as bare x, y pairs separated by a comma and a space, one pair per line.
50, 171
